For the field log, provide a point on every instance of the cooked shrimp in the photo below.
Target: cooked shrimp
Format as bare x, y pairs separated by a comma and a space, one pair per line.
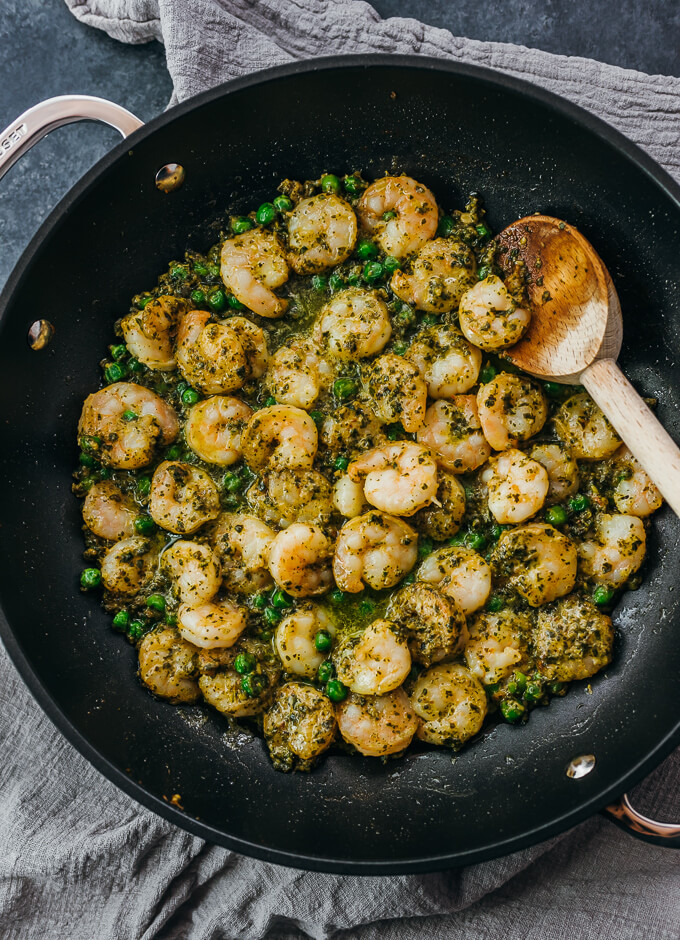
123, 423
167, 666
517, 486
182, 497
434, 622
460, 573
511, 409
224, 691
253, 266
442, 518
299, 726
497, 645
297, 373
634, 492
373, 662
490, 317
398, 478
253, 340
618, 550
243, 543
295, 639
352, 429
194, 570
280, 438
377, 725
374, 550
573, 640
451, 704
539, 561
452, 430
214, 427
212, 625
586, 431
563, 477
445, 359
397, 391
411, 210
150, 333
108, 512
210, 355
348, 497
128, 566
300, 560
289, 496
353, 324
322, 231
440, 274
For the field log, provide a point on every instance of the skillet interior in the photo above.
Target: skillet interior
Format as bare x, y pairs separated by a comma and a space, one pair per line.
456, 129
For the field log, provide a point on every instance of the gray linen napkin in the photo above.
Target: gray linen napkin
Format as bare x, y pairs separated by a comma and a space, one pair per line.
82, 860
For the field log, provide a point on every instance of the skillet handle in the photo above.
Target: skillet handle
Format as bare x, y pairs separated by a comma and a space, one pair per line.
628, 818
34, 124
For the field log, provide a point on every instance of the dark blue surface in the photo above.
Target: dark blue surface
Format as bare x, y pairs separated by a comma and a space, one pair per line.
45, 52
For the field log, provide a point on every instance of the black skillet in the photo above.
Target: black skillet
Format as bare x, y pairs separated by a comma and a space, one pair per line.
458, 129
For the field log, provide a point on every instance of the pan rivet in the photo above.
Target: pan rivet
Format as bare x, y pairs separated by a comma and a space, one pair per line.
40, 334
581, 766
170, 177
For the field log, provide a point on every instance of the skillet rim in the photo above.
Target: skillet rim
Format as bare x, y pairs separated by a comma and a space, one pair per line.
491, 77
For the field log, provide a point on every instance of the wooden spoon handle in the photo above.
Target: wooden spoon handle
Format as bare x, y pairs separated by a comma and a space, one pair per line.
646, 438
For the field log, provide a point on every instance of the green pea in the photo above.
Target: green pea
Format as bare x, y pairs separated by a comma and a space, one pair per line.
372, 271
174, 452
354, 279
353, 185
282, 203
495, 604
171, 620
366, 608
487, 373
410, 578
425, 547
269, 402
556, 515
553, 389
394, 432
244, 663
446, 226
90, 444
517, 683
557, 688
492, 688
121, 621
323, 641
345, 388
280, 599
266, 213
200, 269
406, 315
217, 299
190, 396
391, 264
241, 224
90, 578
325, 671
330, 183
118, 351
136, 630
336, 691
141, 302
179, 271
105, 473
367, 249
399, 349
319, 282
235, 303
87, 461
602, 595
198, 297
483, 230
134, 365
389, 215
317, 417
336, 282
214, 270
156, 602
579, 503
341, 463
429, 320
115, 371
336, 597
476, 540
512, 710
144, 525
254, 684
458, 539
259, 601
534, 693
129, 415
144, 486
496, 532
483, 272
272, 616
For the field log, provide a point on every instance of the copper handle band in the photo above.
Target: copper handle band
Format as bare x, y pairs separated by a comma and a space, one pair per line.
626, 816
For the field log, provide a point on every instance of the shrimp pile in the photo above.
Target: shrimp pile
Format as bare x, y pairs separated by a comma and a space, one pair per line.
318, 500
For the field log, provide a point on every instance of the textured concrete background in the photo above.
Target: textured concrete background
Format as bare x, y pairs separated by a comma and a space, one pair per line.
44, 52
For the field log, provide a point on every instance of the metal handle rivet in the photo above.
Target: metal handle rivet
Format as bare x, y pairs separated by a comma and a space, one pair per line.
580, 766
40, 333
170, 177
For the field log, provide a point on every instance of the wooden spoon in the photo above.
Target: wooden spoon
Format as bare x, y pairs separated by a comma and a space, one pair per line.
575, 336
